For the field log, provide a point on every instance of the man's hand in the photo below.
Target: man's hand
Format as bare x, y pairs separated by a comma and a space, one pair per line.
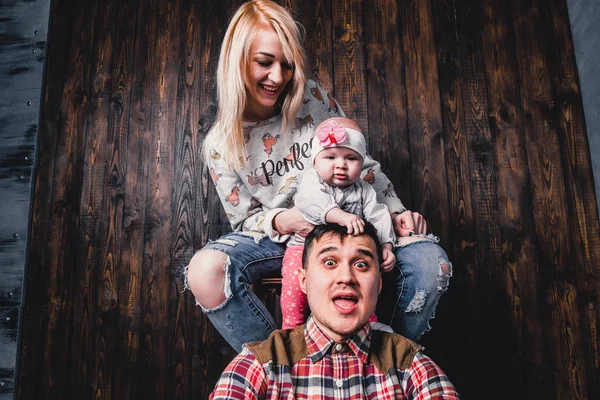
389, 258
409, 223
354, 223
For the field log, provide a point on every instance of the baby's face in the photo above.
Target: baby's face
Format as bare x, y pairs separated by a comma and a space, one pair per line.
339, 166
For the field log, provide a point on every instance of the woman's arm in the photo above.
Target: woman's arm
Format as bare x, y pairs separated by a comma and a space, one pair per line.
291, 221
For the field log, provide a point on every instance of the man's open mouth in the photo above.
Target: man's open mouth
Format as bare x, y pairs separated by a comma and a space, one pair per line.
345, 303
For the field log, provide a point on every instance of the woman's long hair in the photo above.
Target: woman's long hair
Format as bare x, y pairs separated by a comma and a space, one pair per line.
232, 72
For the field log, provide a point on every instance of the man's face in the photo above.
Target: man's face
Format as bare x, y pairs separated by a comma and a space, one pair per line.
342, 281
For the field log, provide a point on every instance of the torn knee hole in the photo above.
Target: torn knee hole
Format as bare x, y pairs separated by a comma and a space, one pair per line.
417, 303
444, 275
445, 269
213, 301
227, 284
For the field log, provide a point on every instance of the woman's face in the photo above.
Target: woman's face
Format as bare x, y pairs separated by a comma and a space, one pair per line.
268, 74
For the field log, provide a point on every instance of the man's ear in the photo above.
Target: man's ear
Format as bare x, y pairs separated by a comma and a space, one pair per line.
302, 279
380, 283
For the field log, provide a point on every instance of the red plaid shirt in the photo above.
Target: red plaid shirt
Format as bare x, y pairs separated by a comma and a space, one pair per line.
329, 370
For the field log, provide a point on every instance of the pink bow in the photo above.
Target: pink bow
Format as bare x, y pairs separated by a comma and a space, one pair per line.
331, 133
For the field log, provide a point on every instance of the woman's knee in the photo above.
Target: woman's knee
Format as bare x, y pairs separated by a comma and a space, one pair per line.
428, 263
206, 277
444, 269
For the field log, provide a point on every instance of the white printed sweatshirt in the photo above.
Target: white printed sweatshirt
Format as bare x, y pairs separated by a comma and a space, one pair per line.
253, 195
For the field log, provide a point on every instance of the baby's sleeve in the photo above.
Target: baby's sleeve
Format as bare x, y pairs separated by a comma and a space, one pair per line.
314, 199
377, 214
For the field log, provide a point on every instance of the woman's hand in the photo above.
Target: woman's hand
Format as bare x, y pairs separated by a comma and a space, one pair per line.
409, 223
292, 221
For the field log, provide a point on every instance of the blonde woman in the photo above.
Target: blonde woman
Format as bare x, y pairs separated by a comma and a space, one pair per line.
257, 151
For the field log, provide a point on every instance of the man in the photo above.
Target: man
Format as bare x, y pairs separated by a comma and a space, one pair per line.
337, 354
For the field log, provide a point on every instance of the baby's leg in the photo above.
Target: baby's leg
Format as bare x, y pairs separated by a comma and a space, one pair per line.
293, 300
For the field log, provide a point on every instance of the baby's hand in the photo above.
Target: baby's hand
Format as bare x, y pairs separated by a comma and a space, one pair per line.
389, 258
354, 223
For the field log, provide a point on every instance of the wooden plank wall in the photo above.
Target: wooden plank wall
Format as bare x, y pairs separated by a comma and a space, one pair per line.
584, 16
23, 31
472, 107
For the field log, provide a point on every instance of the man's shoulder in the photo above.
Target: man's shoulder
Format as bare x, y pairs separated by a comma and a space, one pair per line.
390, 350
282, 347
288, 347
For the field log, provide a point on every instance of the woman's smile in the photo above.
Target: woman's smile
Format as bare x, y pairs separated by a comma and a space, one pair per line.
268, 74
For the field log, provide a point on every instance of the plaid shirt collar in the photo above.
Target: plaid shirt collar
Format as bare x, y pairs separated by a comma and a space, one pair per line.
319, 344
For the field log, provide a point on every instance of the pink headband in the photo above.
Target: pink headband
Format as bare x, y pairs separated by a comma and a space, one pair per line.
332, 134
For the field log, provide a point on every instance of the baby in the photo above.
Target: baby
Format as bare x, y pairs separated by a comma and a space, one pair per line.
333, 192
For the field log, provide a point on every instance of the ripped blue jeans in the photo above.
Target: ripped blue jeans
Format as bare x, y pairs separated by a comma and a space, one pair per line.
250, 257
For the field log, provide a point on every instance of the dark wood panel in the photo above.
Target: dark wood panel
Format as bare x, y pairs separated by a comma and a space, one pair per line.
95, 309
47, 332
348, 56
579, 183
549, 203
388, 133
459, 94
490, 273
426, 146
126, 180
316, 17
158, 95
428, 187
559, 235
516, 277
